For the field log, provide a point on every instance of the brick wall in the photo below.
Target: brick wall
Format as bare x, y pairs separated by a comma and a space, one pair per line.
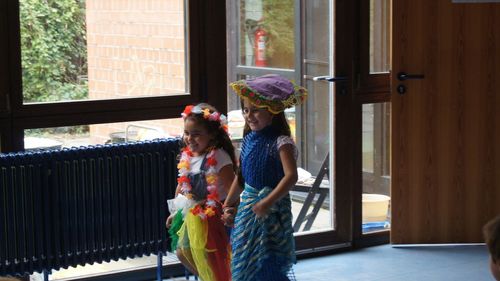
135, 48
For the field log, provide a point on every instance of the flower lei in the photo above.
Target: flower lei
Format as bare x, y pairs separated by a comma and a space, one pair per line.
211, 116
210, 176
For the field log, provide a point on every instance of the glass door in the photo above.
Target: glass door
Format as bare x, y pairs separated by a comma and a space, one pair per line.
324, 125
295, 38
316, 125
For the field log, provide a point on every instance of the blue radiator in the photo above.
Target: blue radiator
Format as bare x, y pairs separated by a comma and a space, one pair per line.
83, 205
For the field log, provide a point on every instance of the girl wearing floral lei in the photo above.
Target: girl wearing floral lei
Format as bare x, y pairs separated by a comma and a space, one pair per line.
206, 171
262, 239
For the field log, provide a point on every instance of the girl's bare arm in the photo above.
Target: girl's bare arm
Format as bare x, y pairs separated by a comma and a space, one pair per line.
233, 197
226, 177
231, 203
177, 190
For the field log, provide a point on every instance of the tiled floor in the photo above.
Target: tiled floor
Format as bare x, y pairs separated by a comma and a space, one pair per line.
387, 263
457, 263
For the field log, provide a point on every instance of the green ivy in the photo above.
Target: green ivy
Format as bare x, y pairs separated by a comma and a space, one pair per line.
54, 50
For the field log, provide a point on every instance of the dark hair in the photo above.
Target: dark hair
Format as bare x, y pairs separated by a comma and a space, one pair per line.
491, 233
221, 137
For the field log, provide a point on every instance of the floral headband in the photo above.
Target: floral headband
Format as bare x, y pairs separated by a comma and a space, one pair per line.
211, 116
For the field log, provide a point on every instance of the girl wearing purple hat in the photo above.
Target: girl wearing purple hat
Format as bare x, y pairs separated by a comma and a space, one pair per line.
262, 239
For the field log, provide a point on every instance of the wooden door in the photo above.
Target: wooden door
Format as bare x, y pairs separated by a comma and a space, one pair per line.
446, 126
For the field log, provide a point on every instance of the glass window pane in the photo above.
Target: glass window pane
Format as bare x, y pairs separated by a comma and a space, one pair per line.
94, 49
376, 169
380, 36
312, 203
315, 118
75, 136
267, 33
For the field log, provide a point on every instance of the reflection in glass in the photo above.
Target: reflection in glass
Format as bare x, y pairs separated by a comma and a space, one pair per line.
376, 168
94, 49
380, 36
267, 33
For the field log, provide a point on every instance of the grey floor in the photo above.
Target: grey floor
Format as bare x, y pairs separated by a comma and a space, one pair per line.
458, 263
432, 263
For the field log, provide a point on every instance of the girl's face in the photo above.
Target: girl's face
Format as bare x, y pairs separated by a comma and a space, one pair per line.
196, 137
256, 118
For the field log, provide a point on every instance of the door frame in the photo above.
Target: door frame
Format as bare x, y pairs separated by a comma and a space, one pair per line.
341, 164
368, 88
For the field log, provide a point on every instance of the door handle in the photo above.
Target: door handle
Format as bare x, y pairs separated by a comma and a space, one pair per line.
341, 91
402, 76
329, 78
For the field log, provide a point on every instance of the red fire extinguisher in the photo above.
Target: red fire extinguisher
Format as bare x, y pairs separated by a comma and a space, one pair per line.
260, 38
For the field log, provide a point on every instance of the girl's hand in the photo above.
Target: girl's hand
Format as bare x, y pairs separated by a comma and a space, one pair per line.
261, 209
168, 223
228, 216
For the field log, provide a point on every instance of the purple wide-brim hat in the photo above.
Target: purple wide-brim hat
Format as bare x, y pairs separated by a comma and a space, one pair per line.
273, 92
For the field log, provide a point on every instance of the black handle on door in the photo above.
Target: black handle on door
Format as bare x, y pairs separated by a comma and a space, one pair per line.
402, 76
329, 78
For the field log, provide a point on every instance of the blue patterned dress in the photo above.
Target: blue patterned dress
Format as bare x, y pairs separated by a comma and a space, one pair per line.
263, 248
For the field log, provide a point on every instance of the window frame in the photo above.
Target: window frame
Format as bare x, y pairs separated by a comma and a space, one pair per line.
369, 87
